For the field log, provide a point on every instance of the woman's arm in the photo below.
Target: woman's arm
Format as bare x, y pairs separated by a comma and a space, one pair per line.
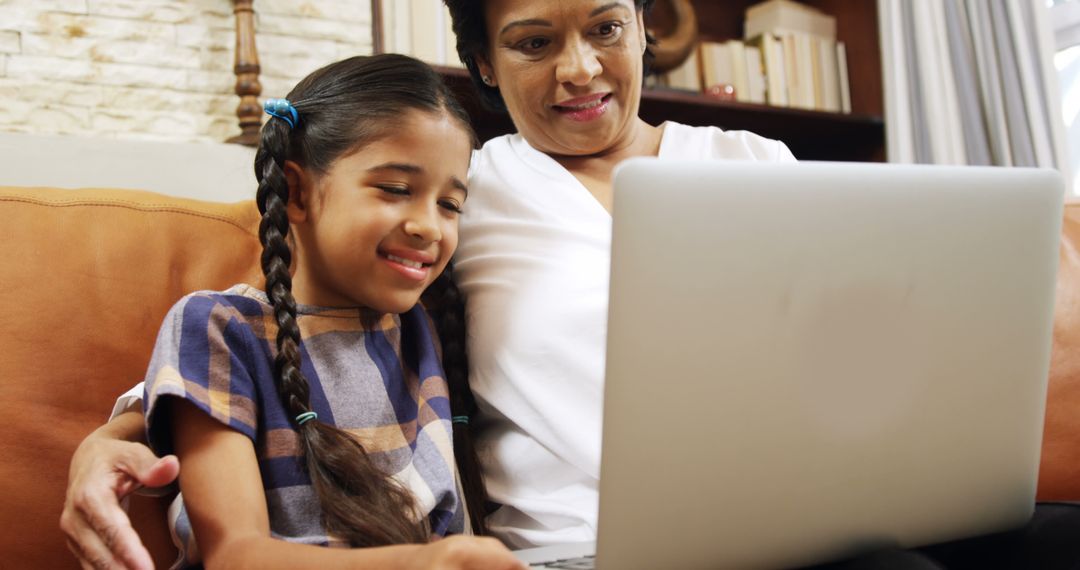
111, 463
224, 498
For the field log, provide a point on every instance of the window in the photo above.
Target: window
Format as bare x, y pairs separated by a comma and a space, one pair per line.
1065, 18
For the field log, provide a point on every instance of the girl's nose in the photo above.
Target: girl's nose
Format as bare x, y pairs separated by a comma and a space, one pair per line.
423, 225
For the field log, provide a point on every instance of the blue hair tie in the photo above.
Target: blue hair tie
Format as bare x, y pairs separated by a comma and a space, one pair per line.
306, 416
460, 419
282, 109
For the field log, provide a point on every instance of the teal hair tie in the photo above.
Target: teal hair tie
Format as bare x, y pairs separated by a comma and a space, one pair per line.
460, 420
306, 417
282, 109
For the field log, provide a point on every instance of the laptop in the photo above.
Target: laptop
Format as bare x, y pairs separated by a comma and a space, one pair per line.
807, 362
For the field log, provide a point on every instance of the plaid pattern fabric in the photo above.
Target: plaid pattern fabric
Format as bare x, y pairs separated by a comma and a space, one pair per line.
379, 377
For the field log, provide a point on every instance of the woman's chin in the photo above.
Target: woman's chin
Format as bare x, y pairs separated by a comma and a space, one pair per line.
587, 139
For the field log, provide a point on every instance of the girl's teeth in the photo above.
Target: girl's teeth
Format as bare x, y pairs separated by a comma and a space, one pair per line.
405, 262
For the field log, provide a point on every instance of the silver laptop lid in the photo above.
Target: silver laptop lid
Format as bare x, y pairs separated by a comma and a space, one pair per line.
806, 360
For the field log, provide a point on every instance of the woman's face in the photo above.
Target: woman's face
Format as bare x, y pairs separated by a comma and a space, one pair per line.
570, 71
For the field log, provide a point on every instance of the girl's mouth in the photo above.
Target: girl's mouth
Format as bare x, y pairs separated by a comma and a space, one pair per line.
407, 262
409, 268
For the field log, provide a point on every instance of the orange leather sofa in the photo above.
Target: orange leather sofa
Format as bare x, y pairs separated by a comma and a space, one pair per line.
88, 275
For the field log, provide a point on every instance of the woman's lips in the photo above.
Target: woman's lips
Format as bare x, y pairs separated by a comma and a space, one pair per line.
584, 109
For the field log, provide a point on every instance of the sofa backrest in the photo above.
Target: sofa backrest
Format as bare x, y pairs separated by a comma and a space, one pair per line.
89, 275
1059, 471
86, 281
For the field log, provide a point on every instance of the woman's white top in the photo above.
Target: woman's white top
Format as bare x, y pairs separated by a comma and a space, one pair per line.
533, 264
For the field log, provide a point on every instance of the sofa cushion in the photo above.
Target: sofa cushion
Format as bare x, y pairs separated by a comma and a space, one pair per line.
86, 281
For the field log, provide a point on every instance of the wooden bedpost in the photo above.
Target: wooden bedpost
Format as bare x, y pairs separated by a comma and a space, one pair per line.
246, 68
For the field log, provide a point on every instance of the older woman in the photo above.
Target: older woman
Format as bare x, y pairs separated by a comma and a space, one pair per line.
536, 237
533, 262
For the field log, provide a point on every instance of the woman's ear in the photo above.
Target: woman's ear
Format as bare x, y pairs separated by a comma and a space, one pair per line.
300, 192
487, 73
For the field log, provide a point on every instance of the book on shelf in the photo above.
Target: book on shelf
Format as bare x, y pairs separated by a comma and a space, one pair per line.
755, 75
717, 65
785, 16
842, 77
827, 91
420, 28
740, 74
773, 68
798, 54
687, 76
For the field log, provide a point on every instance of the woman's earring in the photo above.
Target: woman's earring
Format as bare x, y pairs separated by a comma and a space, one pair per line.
486, 79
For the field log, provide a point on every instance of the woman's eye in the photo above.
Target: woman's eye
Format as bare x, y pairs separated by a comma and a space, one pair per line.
532, 45
609, 30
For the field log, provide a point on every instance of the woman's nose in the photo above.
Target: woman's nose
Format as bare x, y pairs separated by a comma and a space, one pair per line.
577, 64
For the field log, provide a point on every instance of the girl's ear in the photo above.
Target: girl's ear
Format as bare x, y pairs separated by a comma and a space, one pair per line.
300, 191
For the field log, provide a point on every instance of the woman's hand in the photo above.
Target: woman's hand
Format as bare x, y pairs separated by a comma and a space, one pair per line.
105, 468
465, 553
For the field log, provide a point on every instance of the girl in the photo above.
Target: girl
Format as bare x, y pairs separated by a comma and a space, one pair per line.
316, 412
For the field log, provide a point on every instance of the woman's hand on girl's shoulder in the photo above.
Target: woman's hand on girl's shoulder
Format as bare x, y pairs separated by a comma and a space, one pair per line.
465, 553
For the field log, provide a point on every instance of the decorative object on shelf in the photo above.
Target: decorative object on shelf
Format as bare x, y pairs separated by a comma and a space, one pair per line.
674, 47
721, 92
246, 68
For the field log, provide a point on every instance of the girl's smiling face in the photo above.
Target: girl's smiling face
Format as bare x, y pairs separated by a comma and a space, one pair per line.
569, 71
382, 223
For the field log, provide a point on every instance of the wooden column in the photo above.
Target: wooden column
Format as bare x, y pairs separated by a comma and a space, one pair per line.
246, 68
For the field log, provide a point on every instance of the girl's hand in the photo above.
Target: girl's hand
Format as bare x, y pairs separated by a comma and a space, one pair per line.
465, 553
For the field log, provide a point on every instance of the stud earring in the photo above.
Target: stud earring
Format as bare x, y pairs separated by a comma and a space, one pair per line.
486, 79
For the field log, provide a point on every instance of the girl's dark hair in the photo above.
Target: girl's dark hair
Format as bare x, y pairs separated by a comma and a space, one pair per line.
470, 27
342, 108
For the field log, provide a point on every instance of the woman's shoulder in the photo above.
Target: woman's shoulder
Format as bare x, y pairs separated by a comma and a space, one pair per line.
494, 151
714, 143
496, 145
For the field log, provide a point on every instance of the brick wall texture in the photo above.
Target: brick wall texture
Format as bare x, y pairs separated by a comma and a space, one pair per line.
157, 69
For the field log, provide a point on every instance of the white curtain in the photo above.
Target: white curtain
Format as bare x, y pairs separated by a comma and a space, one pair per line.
971, 82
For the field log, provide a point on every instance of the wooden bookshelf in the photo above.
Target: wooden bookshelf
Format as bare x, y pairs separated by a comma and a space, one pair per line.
811, 135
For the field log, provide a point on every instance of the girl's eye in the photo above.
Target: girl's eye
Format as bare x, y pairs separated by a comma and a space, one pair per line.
450, 205
532, 45
395, 190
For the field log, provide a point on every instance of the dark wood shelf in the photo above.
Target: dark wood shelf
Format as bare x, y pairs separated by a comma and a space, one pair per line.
811, 135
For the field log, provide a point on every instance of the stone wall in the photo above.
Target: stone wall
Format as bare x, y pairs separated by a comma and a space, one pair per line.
157, 69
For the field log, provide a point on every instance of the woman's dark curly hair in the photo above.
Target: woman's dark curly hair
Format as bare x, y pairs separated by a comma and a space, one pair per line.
470, 28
